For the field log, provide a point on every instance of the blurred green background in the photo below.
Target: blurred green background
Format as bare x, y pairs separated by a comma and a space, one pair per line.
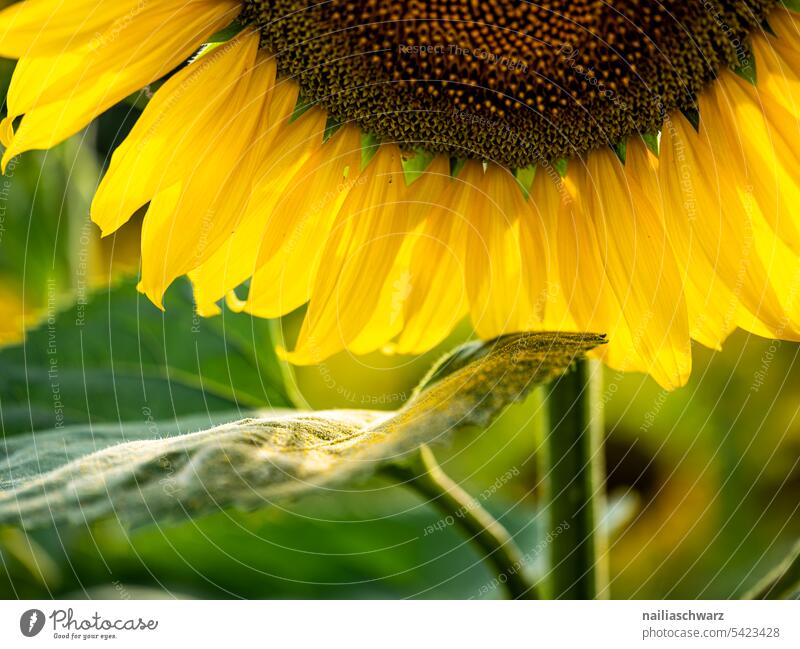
704, 482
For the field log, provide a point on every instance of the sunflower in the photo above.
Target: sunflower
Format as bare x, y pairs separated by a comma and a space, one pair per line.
625, 167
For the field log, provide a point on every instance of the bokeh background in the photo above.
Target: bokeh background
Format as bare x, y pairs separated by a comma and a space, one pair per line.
704, 482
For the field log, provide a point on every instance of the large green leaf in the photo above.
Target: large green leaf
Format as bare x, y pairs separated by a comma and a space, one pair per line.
118, 358
250, 463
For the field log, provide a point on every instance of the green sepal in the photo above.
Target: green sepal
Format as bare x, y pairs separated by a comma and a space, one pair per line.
621, 149
456, 165
369, 147
226, 34
525, 178
693, 115
560, 166
415, 163
332, 125
651, 142
747, 72
301, 106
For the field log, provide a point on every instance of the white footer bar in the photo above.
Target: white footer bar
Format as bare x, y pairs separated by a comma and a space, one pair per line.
404, 624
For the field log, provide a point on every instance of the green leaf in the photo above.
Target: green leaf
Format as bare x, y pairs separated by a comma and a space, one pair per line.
118, 358
250, 463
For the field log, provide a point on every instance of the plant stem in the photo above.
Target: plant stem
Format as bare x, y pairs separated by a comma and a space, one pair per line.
287, 371
424, 475
783, 582
572, 471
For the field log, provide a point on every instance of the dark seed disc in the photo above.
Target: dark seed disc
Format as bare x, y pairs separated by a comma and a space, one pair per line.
509, 81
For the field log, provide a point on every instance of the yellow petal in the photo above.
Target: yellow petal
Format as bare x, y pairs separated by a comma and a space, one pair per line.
786, 25
294, 231
778, 71
387, 317
539, 254
582, 281
766, 145
783, 267
670, 183
49, 26
285, 175
640, 267
492, 203
436, 298
358, 257
61, 92
727, 233
236, 260
183, 233
172, 132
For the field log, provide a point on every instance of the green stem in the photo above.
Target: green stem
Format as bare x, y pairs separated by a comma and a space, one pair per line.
783, 582
572, 471
426, 476
287, 370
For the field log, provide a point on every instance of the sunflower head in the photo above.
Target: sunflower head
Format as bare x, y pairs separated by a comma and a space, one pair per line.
516, 83
395, 167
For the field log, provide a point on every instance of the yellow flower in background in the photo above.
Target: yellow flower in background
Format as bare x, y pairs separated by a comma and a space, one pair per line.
13, 316
627, 168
